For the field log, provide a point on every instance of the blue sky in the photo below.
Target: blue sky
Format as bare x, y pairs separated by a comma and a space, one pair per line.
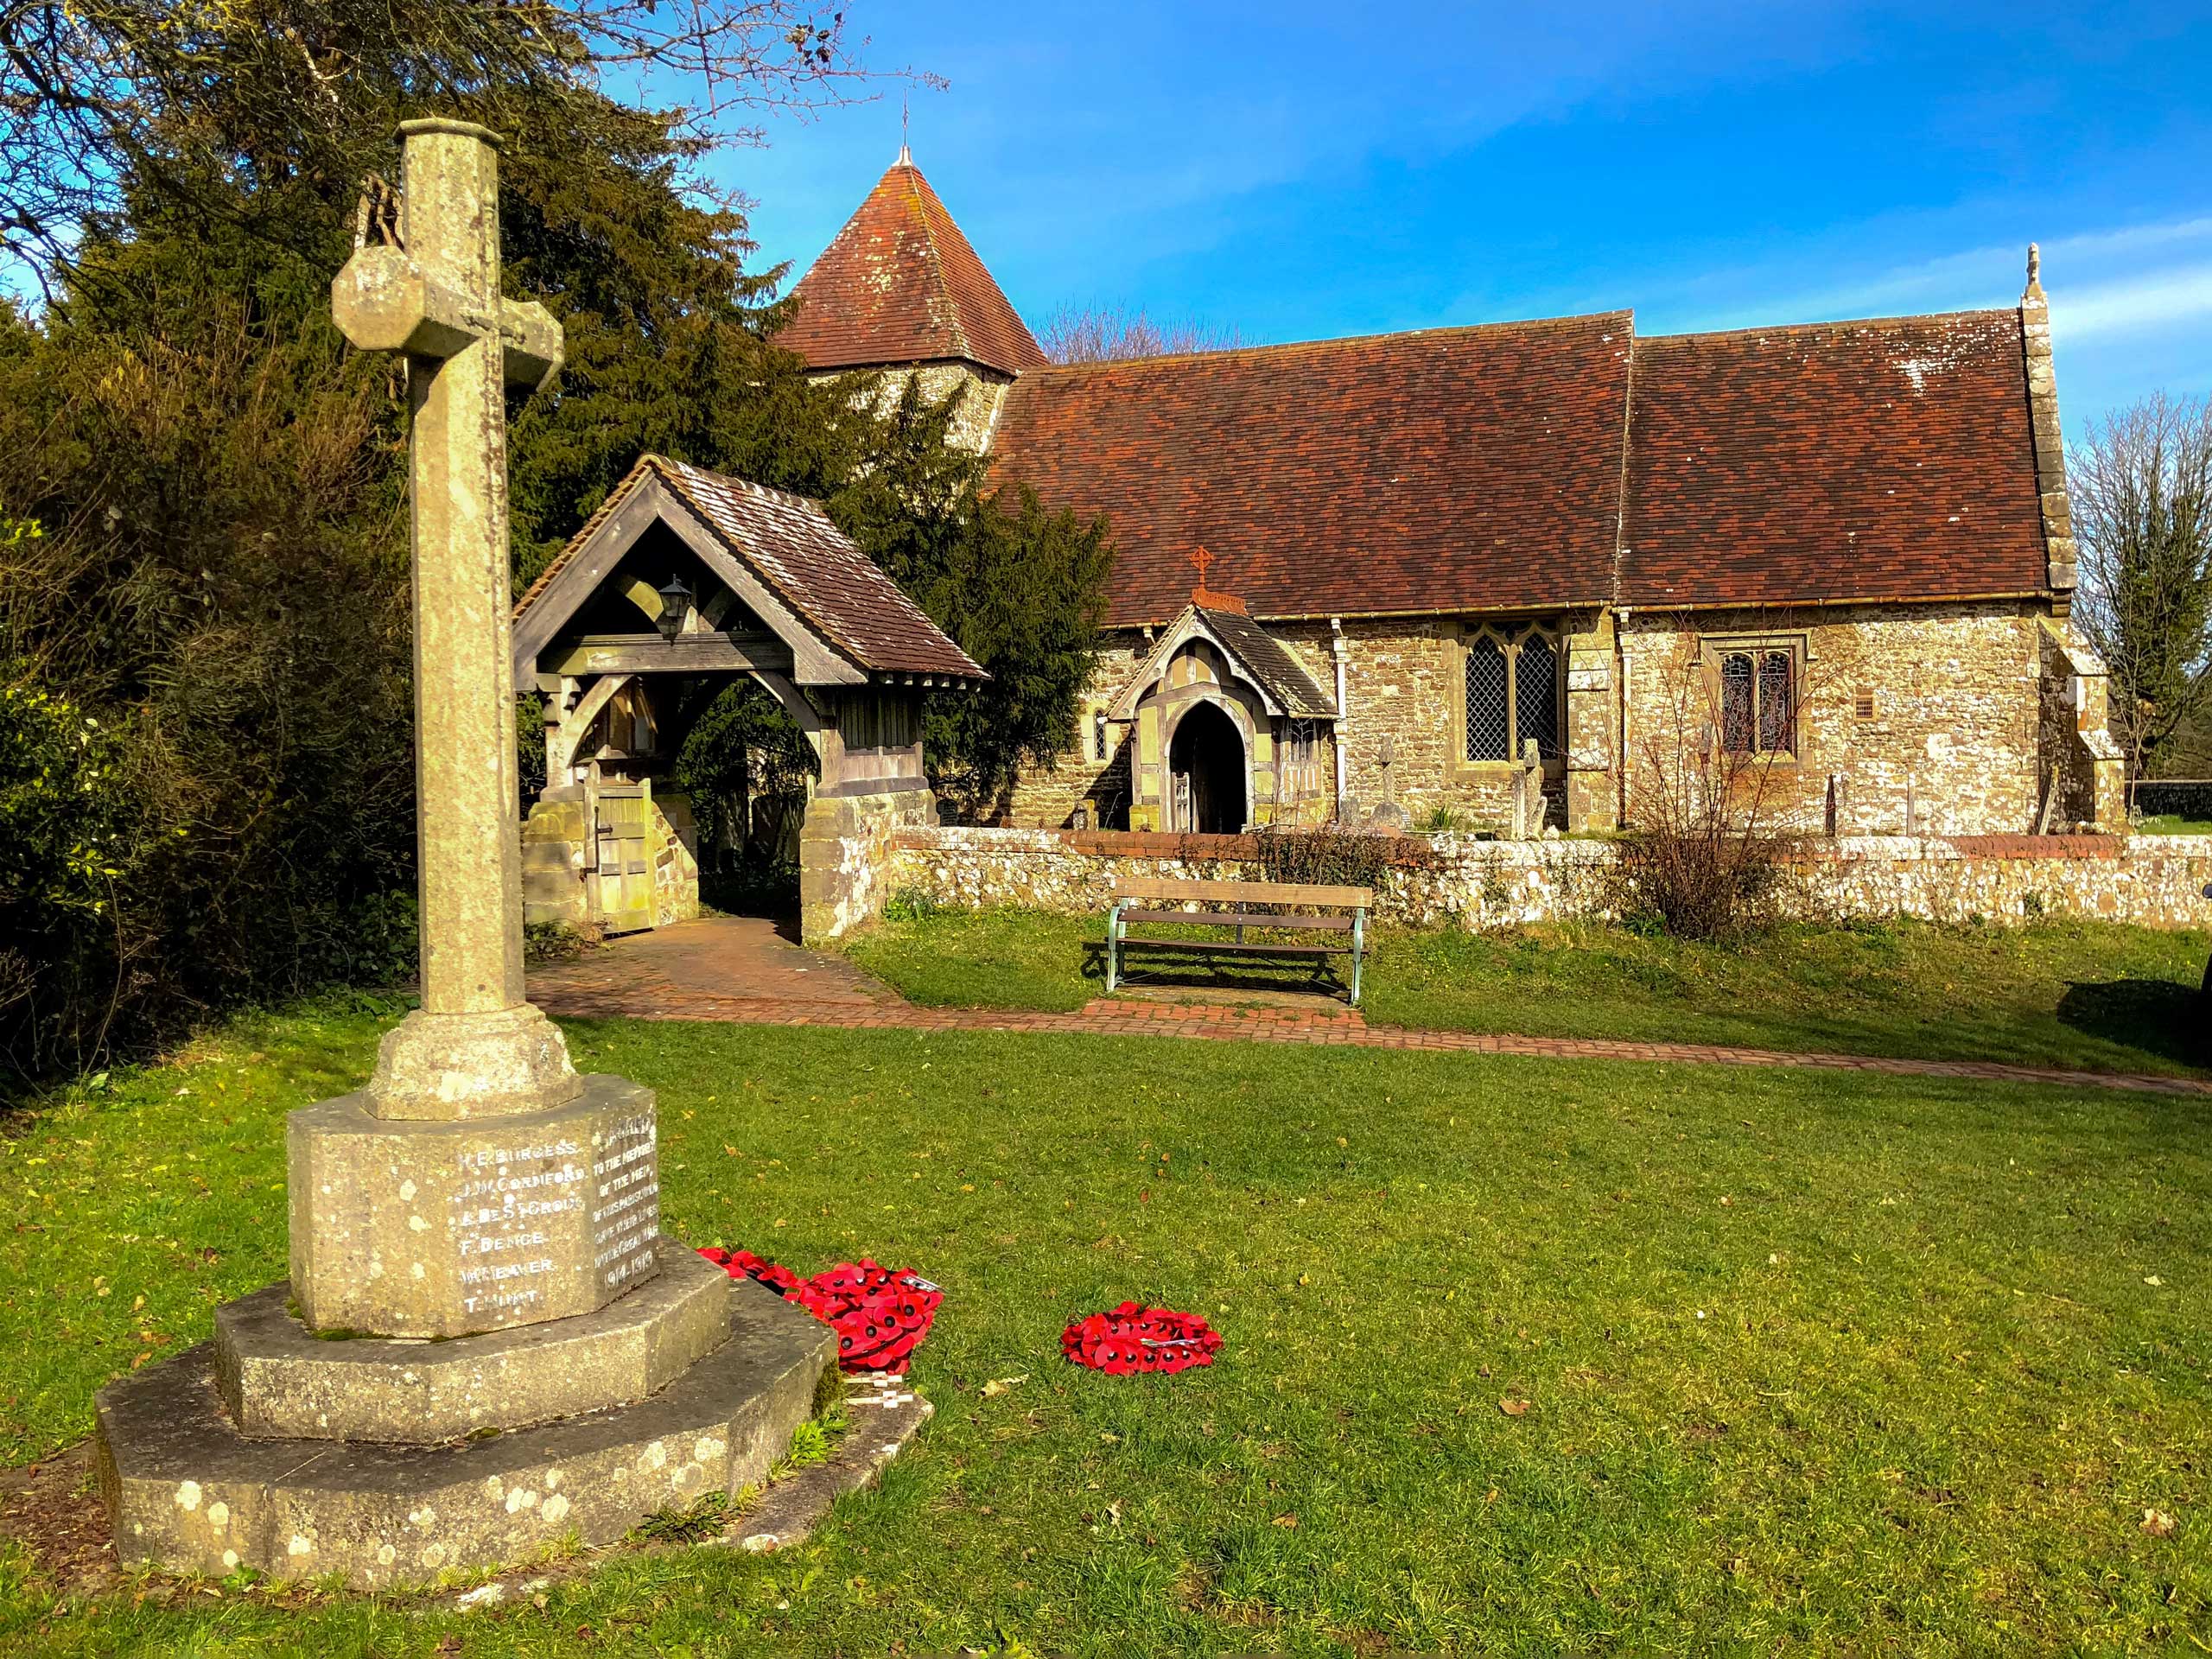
1298, 171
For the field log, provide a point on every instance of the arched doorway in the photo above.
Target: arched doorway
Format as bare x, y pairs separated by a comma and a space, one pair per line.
1206, 759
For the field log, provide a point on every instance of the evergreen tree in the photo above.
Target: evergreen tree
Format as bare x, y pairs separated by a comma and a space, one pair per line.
222, 578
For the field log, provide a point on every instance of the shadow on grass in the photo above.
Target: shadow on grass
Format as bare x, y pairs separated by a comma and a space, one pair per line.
1158, 965
2154, 1015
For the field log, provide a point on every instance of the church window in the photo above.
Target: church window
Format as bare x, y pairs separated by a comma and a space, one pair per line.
1758, 695
1098, 741
1512, 694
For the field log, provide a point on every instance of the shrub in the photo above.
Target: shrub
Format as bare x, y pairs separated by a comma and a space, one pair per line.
1704, 859
73, 833
1332, 857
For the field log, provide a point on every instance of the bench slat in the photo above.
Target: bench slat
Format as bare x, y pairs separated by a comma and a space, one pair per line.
1262, 892
1230, 947
1242, 918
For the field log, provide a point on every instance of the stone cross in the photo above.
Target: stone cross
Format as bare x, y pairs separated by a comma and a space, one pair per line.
475, 1047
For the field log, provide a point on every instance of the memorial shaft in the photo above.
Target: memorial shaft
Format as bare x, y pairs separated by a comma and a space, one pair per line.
464, 688
475, 1048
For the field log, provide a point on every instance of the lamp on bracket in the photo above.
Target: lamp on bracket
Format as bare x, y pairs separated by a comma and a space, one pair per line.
675, 609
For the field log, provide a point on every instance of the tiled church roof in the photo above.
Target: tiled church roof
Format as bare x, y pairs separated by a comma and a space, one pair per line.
1885, 460
1481, 468
901, 284
1472, 468
1515, 467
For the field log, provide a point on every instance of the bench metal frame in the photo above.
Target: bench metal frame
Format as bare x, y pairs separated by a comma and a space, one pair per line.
1131, 899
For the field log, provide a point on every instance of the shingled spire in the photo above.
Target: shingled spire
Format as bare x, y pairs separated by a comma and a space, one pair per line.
901, 285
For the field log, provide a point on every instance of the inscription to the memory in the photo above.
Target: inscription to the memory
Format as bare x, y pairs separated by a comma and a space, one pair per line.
626, 1201
502, 1207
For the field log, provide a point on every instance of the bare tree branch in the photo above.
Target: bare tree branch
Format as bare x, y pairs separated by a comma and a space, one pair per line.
100, 97
1107, 333
2141, 488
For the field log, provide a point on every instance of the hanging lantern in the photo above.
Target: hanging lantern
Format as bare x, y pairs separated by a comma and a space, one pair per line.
674, 607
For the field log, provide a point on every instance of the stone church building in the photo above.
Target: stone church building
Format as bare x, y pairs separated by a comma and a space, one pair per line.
1526, 572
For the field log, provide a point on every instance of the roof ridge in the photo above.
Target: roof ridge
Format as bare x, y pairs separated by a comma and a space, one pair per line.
922, 194
768, 490
1896, 320
1449, 331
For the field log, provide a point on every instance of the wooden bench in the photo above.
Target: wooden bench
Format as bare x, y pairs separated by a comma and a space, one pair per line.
1257, 905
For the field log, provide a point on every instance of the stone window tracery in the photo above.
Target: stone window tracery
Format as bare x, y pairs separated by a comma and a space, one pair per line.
1755, 688
1510, 687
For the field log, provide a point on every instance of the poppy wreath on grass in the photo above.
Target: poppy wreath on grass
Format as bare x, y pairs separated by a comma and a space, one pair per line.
1131, 1341
880, 1316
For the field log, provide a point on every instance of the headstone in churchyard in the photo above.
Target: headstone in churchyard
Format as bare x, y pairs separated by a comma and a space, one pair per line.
477, 1190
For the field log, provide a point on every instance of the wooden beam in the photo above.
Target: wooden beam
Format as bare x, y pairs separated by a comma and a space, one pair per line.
689, 653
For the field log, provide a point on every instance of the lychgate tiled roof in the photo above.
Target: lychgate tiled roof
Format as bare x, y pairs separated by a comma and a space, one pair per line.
901, 284
1881, 460
789, 543
1469, 468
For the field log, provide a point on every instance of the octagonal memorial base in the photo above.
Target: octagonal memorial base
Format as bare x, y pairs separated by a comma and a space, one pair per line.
186, 1491
281, 1381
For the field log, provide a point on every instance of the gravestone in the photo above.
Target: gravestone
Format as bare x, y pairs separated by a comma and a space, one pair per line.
486, 1347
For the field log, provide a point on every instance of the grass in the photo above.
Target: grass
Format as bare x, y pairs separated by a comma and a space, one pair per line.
1830, 1362
2095, 995
2172, 823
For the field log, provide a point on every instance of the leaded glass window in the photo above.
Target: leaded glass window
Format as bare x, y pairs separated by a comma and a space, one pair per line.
1490, 717
1739, 701
1536, 696
1512, 694
1778, 699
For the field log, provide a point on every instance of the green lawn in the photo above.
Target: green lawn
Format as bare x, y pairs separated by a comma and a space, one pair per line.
2059, 993
1828, 1362
2172, 823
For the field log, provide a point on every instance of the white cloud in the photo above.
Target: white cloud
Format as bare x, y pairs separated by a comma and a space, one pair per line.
2124, 305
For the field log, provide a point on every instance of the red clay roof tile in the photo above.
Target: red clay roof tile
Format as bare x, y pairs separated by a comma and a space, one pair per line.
1879, 459
1470, 468
901, 284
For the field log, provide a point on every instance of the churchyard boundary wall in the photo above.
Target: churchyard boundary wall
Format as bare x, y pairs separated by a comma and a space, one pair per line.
1459, 881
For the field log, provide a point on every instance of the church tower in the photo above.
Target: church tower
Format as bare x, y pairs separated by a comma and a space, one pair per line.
901, 291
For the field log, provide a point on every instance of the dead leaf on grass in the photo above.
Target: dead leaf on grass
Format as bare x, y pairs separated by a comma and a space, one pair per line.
2157, 1523
999, 1385
1288, 1521
1513, 1407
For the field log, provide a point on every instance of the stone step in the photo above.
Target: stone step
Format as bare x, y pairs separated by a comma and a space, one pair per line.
188, 1491
280, 1380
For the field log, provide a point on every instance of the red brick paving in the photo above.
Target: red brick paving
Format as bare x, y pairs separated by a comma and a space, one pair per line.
740, 971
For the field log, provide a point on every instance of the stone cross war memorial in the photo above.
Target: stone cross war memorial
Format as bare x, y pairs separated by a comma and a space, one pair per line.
484, 1347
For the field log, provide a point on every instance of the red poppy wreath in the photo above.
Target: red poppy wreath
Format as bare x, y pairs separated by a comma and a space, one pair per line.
880, 1317
1131, 1341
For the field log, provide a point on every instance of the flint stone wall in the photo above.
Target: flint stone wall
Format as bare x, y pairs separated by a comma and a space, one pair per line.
1922, 719
1458, 880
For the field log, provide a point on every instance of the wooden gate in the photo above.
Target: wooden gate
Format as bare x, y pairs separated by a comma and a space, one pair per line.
622, 823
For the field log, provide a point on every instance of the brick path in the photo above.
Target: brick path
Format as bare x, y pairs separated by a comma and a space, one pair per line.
740, 971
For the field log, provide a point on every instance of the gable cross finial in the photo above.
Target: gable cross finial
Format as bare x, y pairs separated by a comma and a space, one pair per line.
2035, 272
1203, 560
